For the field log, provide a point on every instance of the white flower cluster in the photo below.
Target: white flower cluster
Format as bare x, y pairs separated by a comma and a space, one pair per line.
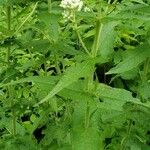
70, 6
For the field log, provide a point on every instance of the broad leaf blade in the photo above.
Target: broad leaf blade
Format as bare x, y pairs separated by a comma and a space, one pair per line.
107, 39
72, 75
88, 139
113, 98
136, 57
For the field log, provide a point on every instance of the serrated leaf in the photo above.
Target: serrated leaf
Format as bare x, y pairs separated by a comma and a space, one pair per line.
113, 98
72, 75
136, 57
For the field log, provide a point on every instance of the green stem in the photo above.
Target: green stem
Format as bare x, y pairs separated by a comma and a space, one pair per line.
99, 28
56, 64
87, 116
146, 67
9, 17
9, 28
95, 47
14, 118
27, 18
124, 140
13, 111
115, 2
75, 27
49, 5
10, 92
82, 43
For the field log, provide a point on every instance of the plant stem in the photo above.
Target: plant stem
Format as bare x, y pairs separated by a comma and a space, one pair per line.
95, 47
78, 34
146, 67
9, 28
27, 18
9, 17
99, 28
57, 63
115, 2
87, 115
10, 92
49, 5
123, 142
14, 118
11, 96
82, 43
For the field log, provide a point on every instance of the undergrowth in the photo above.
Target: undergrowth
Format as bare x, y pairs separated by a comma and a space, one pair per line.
75, 79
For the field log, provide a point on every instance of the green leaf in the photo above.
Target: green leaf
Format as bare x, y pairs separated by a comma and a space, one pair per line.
113, 98
139, 1
135, 58
88, 139
51, 22
85, 135
71, 75
143, 90
37, 79
107, 39
8, 125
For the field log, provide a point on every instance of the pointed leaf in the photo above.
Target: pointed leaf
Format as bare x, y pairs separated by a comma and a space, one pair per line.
36, 79
113, 98
72, 75
136, 57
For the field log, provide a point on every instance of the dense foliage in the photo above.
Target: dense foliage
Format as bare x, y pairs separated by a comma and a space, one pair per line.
75, 76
